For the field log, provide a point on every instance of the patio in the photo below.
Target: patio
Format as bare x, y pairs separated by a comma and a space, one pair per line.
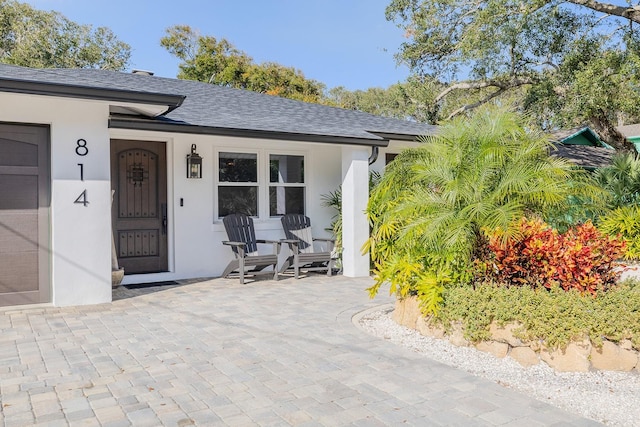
218, 353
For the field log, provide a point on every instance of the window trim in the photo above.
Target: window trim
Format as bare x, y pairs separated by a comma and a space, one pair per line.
270, 184
263, 182
219, 183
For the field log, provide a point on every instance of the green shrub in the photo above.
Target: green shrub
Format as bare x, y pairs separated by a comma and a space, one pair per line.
624, 221
554, 317
621, 180
433, 202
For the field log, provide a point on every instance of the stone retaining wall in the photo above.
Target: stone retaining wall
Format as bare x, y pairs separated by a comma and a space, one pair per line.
577, 357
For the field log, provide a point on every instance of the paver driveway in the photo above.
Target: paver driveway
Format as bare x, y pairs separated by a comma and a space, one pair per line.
219, 353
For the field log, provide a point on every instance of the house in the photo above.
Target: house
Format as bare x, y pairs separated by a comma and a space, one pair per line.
69, 137
632, 133
583, 147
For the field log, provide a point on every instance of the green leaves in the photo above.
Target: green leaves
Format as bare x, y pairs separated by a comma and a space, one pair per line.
562, 63
484, 40
435, 202
411, 99
625, 222
621, 180
553, 317
207, 59
39, 39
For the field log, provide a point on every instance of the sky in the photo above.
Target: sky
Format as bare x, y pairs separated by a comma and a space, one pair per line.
337, 42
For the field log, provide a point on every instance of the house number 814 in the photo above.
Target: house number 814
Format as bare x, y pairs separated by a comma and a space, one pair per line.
82, 150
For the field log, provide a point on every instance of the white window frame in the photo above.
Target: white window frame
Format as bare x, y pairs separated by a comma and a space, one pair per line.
219, 183
270, 184
263, 184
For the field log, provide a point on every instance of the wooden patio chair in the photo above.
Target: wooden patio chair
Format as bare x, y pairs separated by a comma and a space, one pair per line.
303, 255
243, 242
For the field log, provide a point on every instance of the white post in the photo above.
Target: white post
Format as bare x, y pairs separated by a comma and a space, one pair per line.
355, 194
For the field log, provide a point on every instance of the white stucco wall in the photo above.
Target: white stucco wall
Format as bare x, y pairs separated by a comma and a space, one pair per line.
195, 236
80, 235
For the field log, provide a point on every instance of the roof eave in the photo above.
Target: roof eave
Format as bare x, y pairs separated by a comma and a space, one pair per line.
586, 130
160, 126
83, 92
400, 136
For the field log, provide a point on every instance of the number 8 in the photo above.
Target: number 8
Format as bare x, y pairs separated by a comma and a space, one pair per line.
81, 149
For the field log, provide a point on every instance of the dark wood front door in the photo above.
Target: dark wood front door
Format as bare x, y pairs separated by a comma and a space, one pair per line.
139, 212
24, 214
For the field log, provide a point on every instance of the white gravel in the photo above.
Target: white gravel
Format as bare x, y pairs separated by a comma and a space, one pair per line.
612, 398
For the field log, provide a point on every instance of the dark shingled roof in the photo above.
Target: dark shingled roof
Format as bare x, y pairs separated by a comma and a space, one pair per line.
584, 155
212, 109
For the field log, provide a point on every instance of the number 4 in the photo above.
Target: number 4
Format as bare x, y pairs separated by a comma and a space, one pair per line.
82, 199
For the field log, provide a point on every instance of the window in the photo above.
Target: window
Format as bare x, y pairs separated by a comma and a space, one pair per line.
286, 184
238, 184
389, 157
246, 183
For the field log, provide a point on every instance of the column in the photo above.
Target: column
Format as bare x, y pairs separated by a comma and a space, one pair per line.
355, 194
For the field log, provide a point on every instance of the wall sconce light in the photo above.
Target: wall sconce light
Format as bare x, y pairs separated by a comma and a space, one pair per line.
194, 164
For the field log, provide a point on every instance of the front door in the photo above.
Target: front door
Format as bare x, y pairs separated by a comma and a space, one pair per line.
139, 212
25, 193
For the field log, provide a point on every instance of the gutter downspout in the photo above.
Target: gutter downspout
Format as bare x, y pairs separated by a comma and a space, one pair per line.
374, 154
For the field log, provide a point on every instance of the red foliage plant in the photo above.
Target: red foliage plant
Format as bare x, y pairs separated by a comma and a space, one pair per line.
582, 258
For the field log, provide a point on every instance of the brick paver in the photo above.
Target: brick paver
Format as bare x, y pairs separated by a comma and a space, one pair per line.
219, 353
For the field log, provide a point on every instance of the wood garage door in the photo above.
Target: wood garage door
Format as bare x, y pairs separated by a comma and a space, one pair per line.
24, 214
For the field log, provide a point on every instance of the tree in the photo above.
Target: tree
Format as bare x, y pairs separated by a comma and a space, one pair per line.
434, 205
403, 100
536, 49
207, 59
39, 39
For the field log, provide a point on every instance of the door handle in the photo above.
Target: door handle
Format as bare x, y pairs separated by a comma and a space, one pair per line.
163, 209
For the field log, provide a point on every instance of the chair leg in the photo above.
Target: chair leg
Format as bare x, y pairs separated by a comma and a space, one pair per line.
241, 271
286, 264
330, 267
275, 272
296, 267
231, 267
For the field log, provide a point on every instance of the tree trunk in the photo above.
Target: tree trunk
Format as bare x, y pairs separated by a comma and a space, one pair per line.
610, 134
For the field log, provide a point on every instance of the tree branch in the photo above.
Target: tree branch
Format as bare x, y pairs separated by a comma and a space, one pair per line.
630, 13
484, 100
481, 84
502, 87
463, 86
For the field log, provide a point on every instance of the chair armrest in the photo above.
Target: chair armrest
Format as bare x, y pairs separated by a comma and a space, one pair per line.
237, 247
276, 244
330, 242
290, 241
294, 245
267, 241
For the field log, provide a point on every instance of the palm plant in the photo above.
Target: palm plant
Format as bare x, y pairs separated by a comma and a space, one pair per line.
622, 180
333, 200
432, 209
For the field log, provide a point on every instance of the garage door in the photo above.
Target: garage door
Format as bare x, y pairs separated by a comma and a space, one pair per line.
24, 214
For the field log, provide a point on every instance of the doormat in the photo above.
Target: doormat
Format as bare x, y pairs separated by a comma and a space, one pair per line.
152, 284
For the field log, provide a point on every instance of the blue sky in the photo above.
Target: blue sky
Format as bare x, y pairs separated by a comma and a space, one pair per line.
337, 42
